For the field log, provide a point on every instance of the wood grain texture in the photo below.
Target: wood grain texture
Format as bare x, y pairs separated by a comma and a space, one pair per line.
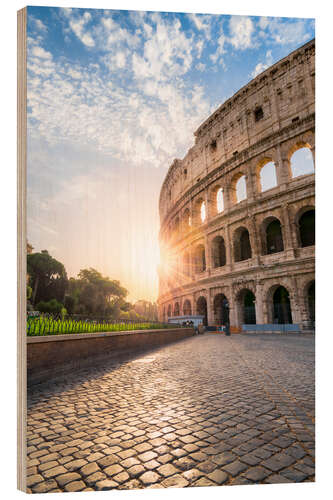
21, 245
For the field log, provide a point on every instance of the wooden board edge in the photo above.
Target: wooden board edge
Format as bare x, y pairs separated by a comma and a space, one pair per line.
21, 246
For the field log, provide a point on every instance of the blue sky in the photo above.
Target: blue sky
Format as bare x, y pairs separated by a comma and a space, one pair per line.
113, 98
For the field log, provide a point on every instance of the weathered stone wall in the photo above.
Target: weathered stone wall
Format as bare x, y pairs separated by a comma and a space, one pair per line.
266, 121
55, 355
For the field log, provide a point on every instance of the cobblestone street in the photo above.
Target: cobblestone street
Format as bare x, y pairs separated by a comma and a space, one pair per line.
208, 410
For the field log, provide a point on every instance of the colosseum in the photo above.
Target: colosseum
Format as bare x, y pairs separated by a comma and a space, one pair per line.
237, 213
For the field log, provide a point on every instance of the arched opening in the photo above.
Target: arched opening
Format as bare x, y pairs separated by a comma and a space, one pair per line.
240, 187
187, 309
199, 212
312, 303
218, 252
281, 306
176, 309
274, 239
203, 214
169, 311
219, 201
249, 307
267, 176
242, 245
202, 309
221, 309
307, 228
301, 162
200, 259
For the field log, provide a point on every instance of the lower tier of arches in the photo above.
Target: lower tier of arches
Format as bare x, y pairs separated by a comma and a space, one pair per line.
284, 301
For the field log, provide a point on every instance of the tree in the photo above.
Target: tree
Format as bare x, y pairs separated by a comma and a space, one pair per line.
52, 307
47, 277
97, 294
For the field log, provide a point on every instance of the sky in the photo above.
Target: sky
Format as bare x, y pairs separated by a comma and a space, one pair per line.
113, 98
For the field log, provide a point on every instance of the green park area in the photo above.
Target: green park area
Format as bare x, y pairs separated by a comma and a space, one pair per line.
88, 303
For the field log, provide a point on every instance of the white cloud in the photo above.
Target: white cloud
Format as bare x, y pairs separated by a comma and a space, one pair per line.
200, 67
241, 31
38, 24
167, 53
261, 66
282, 32
78, 26
40, 52
202, 22
149, 121
217, 56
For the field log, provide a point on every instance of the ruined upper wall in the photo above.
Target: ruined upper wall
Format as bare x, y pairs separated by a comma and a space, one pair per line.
271, 101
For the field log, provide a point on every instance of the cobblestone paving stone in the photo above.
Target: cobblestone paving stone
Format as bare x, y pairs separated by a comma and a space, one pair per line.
208, 410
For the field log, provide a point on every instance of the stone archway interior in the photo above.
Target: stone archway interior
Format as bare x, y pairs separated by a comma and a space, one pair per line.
187, 310
202, 309
281, 306
312, 303
221, 309
307, 228
249, 308
218, 252
274, 240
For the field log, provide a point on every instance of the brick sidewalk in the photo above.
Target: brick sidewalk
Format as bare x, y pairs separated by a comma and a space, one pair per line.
209, 410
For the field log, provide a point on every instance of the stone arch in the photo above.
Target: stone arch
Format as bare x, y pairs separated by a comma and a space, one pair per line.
187, 308
242, 244
238, 188
197, 212
201, 308
311, 302
301, 160
271, 235
246, 307
279, 305
199, 258
221, 309
266, 175
176, 309
218, 252
217, 199
186, 220
306, 226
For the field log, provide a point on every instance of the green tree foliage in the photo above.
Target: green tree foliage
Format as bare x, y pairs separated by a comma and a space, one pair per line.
51, 307
47, 277
96, 294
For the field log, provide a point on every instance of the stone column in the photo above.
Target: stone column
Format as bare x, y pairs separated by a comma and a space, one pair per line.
259, 304
282, 168
210, 312
294, 305
289, 233
228, 248
208, 255
255, 242
232, 308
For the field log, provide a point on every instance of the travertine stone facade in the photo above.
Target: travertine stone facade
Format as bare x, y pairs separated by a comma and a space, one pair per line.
253, 258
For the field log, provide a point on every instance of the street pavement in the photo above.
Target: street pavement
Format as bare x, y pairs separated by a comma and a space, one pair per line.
207, 410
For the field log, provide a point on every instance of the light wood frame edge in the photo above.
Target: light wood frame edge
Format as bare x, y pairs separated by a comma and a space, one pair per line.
21, 246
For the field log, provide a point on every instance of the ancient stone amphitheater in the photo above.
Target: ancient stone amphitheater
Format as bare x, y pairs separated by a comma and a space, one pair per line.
237, 212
